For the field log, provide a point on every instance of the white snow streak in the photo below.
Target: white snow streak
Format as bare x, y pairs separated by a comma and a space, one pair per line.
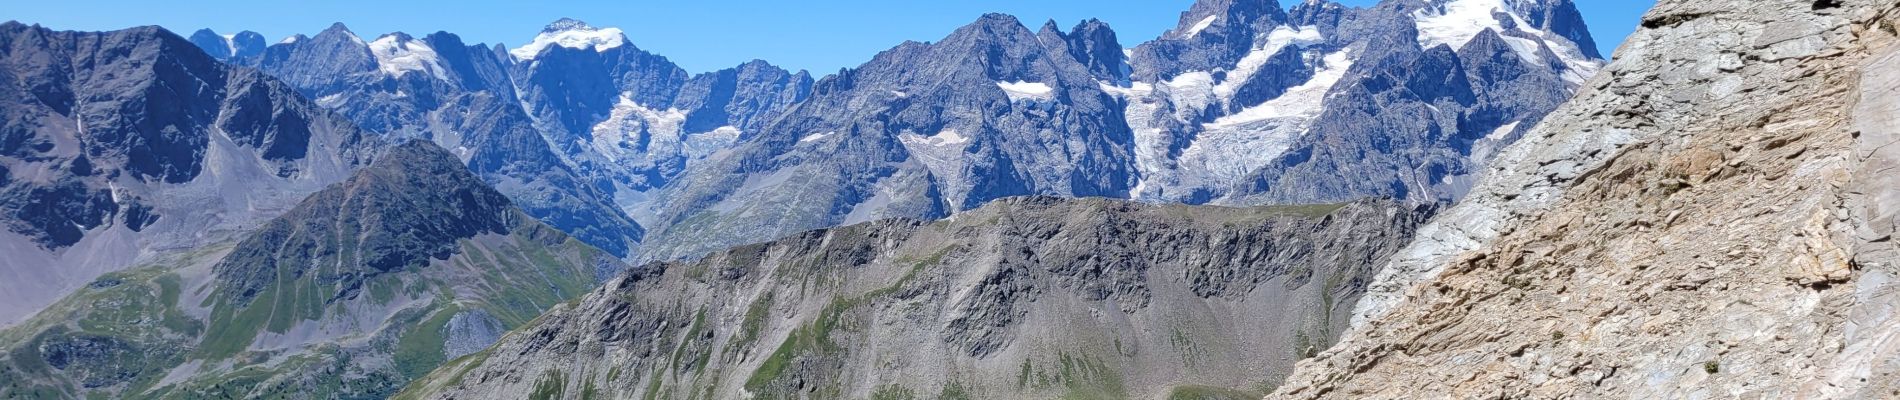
816, 137
1200, 26
1020, 91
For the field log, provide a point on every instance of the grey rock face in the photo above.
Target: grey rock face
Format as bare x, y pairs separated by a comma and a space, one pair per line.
1706, 219
1023, 298
122, 144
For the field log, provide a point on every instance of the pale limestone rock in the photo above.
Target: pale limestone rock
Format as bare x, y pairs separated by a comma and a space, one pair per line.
1712, 219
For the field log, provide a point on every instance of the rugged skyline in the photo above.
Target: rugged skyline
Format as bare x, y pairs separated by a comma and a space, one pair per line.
816, 36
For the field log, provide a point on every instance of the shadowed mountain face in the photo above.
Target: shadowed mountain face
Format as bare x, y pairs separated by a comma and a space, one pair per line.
367, 284
117, 146
1022, 298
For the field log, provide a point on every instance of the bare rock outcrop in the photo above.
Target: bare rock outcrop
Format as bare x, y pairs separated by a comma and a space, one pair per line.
1711, 218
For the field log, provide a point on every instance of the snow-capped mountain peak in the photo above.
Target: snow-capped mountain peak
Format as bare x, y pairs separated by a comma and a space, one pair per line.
398, 54
571, 33
1455, 22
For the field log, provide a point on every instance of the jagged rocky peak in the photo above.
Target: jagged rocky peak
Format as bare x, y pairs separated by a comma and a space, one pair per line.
1213, 34
992, 28
1094, 44
241, 46
1325, 13
567, 24
1559, 17
1544, 32
398, 54
338, 30
1222, 18
574, 34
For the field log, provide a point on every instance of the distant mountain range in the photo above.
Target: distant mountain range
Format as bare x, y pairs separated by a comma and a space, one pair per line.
1244, 103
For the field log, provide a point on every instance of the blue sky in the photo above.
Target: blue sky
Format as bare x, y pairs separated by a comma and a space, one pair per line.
700, 35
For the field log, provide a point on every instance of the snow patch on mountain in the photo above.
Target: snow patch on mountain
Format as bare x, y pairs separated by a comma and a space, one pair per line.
1454, 23
638, 136
1027, 91
631, 128
1200, 26
947, 138
1278, 40
397, 55
1303, 101
816, 137
1235, 145
574, 35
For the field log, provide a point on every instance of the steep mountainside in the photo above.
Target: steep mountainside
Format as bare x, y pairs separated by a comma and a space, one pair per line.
116, 147
362, 287
1711, 218
1023, 298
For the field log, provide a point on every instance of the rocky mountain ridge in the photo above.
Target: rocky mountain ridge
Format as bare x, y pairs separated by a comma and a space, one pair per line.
1022, 298
1246, 102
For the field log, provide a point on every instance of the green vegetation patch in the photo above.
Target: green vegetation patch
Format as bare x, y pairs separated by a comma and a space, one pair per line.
1199, 392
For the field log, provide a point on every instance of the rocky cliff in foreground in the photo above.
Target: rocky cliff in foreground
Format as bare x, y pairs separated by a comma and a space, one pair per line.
1024, 298
1711, 218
